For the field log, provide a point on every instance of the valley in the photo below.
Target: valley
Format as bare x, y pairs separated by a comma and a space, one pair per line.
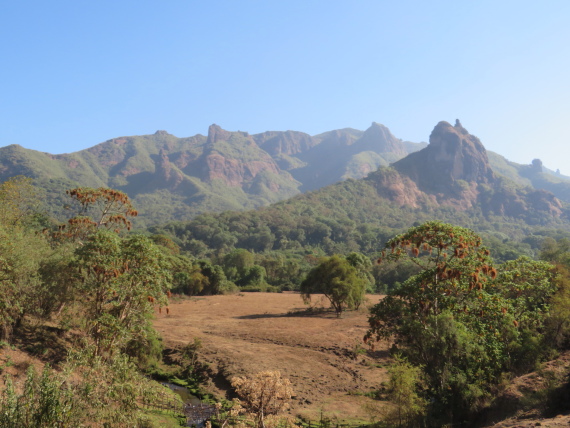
324, 357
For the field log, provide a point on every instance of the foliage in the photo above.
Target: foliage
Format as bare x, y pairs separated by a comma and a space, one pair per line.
409, 407
21, 251
462, 320
45, 402
19, 202
336, 278
264, 394
111, 389
121, 281
97, 208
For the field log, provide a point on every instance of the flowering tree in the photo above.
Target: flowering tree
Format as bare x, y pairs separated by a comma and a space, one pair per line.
463, 320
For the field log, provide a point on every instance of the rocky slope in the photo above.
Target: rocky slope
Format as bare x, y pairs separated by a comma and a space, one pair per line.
177, 178
172, 178
454, 170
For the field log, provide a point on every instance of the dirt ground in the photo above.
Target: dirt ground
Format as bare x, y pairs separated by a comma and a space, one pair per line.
528, 385
323, 356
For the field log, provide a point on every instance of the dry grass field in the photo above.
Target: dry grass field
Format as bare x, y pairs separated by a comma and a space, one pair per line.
322, 355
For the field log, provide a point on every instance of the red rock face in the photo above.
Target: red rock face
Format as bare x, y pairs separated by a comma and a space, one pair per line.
453, 154
73, 164
288, 143
451, 171
546, 201
234, 172
401, 189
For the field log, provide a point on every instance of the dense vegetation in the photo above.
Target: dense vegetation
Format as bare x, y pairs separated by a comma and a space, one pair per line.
462, 324
101, 286
287, 238
463, 317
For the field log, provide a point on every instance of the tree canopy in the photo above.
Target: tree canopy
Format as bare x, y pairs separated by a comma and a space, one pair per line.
338, 280
463, 320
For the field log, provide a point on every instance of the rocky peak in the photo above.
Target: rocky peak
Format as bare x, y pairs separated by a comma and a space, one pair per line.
452, 154
378, 138
161, 132
536, 165
288, 142
216, 133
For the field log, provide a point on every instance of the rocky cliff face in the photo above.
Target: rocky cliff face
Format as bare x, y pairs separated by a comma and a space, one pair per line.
452, 154
235, 170
288, 143
454, 170
379, 139
235, 158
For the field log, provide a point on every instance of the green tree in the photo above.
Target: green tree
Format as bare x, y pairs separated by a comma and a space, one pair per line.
409, 407
21, 251
237, 264
461, 319
121, 281
338, 280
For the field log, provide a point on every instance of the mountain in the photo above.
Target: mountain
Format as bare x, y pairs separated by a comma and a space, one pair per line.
170, 178
454, 170
178, 178
452, 179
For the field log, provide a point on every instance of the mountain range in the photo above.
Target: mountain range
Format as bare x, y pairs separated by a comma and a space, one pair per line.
170, 178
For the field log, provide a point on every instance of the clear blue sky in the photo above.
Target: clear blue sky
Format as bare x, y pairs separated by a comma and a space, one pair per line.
77, 73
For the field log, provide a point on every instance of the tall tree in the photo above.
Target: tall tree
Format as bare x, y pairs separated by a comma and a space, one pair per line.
121, 281
21, 250
461, 319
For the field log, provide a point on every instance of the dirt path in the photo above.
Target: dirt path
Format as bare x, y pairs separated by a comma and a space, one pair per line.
251, 332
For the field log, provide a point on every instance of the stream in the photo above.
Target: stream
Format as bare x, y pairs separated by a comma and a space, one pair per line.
183, 392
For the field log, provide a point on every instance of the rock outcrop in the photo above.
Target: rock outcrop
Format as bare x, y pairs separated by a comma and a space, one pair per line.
379, 139
288, 143
454, 170
452, 154
236, 159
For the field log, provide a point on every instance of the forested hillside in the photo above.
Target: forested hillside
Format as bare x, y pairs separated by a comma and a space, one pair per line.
170, 178
360, 215
178, 178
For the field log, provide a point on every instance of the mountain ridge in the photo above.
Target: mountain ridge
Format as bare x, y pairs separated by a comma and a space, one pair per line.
178, 178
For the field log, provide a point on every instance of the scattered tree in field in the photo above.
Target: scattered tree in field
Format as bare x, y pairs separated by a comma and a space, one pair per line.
461, 319
339, 281
264, 394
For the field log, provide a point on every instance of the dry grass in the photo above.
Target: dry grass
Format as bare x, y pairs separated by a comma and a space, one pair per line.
247, 333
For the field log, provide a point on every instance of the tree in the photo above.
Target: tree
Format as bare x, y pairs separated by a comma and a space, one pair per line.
21, 250
462, 320
338, 280
95, 209
403, 393
121, 281
266, 393
237, 264
19, 201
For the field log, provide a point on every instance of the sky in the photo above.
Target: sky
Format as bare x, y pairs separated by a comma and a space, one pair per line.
77, 73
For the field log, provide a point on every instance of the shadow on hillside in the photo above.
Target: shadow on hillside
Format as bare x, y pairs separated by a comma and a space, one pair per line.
47, 343
296, 313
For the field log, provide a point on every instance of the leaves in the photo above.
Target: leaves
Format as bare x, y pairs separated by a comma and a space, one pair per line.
338, 280
462, 319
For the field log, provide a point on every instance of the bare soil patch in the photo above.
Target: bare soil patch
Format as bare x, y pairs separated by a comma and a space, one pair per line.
322, 355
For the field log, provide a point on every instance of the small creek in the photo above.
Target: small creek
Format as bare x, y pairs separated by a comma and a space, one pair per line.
183, 392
